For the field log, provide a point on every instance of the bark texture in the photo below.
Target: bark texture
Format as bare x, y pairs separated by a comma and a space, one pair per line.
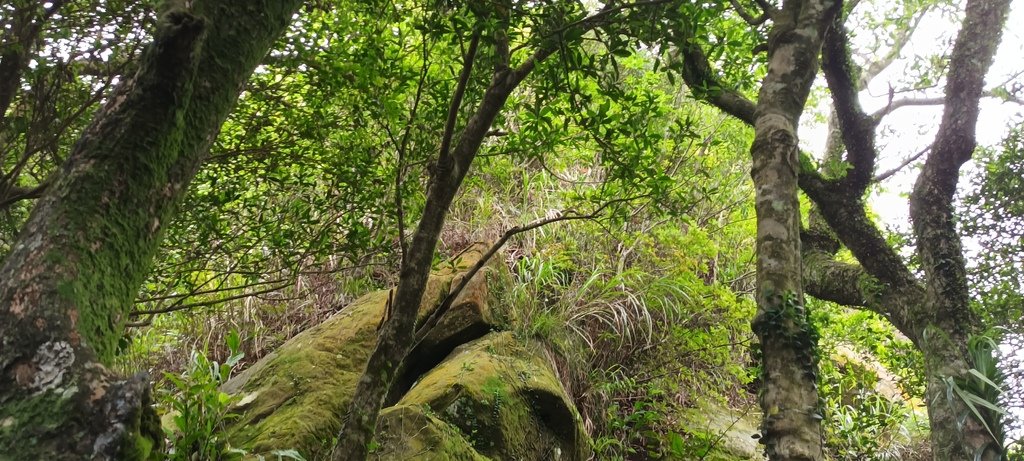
67, 285
947, 298
791, 428
932, 311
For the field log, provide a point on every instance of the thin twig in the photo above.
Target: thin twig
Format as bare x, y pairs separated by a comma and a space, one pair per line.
210, 302
399, 207
886, 175
207, 292
446, 304
721, 434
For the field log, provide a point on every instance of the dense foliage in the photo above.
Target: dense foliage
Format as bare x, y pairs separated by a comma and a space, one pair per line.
643, 295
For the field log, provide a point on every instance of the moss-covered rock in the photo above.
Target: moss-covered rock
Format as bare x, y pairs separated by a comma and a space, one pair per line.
498, 394
476, 399
723, 434
416, 434
295, 397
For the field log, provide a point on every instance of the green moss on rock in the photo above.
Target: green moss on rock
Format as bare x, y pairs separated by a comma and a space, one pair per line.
501, 396
416, 434
491, 398
295, 397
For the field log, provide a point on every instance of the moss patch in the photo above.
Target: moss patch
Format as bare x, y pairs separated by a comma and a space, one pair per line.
415, 433
295, 397
503, 398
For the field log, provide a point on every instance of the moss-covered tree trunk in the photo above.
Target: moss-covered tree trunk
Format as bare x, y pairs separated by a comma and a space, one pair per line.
69, 281
789, 398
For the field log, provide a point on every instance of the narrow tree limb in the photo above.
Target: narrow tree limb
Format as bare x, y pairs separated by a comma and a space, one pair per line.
446, 304
891, 107
404, 146
904, 102
211, 302
900, 41
220, 289
456, 103
17, 194
889, 173
15, 44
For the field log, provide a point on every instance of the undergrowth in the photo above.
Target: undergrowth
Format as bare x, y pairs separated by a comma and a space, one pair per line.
644, 310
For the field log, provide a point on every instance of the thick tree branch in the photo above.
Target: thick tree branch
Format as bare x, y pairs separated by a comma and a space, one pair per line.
850, 285
931, 206
704, 84
857, 128
847, 217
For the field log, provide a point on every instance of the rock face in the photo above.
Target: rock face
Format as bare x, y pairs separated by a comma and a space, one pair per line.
730, 432
494, 397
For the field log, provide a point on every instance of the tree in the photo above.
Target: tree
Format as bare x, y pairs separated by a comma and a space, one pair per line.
561, 26
57, 61
789, 400
67, 283
932, 309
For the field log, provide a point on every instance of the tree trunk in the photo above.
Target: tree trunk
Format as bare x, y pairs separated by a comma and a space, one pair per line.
789, 400
957, 434
68, 283
396, 338
933, 310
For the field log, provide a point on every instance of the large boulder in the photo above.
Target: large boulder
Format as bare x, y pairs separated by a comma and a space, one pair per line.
295, 397
494, 398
